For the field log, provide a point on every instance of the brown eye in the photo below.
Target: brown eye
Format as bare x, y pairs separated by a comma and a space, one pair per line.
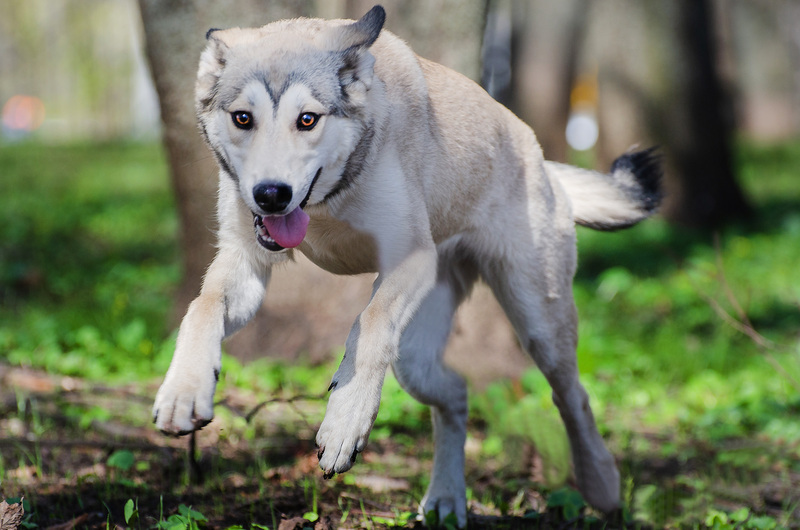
242, 119
307, 120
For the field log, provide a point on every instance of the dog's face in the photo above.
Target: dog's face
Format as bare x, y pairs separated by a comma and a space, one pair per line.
282, 107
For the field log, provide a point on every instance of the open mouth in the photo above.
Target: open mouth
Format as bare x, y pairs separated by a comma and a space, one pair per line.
278, 232
262, 235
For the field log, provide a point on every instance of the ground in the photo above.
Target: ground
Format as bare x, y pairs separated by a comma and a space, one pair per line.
689, 350
79, 452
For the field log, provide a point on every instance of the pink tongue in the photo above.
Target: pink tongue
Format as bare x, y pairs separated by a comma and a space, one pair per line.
288, 230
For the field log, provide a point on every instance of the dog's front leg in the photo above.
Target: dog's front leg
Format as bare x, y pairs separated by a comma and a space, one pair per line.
371, 347
233, 289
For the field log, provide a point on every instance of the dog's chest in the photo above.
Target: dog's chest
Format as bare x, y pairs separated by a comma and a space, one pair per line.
336, 247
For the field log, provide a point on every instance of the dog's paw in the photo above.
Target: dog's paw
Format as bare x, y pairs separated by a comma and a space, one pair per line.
442, 504
185, 402
345, 429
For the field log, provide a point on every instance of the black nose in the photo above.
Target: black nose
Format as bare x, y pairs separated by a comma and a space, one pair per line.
272, 197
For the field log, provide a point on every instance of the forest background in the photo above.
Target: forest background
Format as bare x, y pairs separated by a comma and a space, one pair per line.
689, 338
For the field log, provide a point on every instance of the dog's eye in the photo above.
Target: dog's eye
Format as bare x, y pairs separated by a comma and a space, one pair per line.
242, 119
307, 120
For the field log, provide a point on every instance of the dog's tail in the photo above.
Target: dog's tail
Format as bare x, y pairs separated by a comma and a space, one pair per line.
629, 193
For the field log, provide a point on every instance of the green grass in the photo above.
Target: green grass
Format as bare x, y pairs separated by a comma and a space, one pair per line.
702, 418
87, 257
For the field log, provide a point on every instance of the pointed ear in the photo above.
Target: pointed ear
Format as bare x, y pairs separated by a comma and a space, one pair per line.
363, 32
354, 41
212, 62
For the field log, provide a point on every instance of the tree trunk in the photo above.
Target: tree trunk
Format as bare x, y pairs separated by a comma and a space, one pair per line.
704, 192
174, 37
446, 31
660, 84
547, 48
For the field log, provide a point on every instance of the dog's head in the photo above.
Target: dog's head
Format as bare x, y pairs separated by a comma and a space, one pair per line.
282, 107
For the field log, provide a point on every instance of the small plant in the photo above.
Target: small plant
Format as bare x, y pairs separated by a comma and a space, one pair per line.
122, 460
568, 501
131, 512
741, 518
185, 519
450, 522
310, 484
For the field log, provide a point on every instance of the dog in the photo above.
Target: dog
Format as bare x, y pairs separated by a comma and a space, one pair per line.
335, 140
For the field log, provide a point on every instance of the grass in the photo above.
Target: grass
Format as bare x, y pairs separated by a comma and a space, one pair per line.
689, 348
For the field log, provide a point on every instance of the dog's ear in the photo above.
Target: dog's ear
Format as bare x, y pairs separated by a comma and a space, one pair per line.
212, 62
363, 32
353, 42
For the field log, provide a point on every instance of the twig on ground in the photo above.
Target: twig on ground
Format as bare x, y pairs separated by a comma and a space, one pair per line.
248, 416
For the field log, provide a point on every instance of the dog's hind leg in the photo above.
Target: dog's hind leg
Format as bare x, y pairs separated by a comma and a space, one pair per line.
423, 374
537, 297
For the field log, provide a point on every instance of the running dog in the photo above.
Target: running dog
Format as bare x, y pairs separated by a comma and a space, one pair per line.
335, 140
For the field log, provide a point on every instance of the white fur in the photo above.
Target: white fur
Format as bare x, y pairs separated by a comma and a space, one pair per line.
451, 187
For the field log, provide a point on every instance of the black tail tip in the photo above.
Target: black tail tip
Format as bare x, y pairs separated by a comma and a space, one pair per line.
647, 170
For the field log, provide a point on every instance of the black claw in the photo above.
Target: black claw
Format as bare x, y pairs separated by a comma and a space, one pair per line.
328, 474
320, 453
199, 424
216, 375
333, 385
354, 455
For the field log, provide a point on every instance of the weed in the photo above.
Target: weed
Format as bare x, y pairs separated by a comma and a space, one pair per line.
131, 512
185, 519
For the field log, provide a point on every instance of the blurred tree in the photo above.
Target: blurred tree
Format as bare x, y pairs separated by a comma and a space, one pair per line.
660, 83
446, 31
703, 191
546, 49
174, 36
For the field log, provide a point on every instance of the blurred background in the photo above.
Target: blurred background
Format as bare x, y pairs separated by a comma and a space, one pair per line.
690, 323
592, 78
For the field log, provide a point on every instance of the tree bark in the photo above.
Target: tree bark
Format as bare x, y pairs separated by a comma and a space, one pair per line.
174, 38
704, 192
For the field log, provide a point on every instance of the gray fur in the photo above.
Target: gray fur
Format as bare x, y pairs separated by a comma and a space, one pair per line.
411, 171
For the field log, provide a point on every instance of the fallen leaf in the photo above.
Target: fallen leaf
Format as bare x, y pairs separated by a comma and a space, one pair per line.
10, 515
295, 523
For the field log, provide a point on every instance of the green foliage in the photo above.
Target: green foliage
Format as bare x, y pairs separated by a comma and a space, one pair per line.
741, 518
531, 419
131, 512
122, 460
87, 258
568, 501
185, 519
450, 522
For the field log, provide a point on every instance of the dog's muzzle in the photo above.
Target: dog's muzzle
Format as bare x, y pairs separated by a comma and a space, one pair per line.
290, 228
